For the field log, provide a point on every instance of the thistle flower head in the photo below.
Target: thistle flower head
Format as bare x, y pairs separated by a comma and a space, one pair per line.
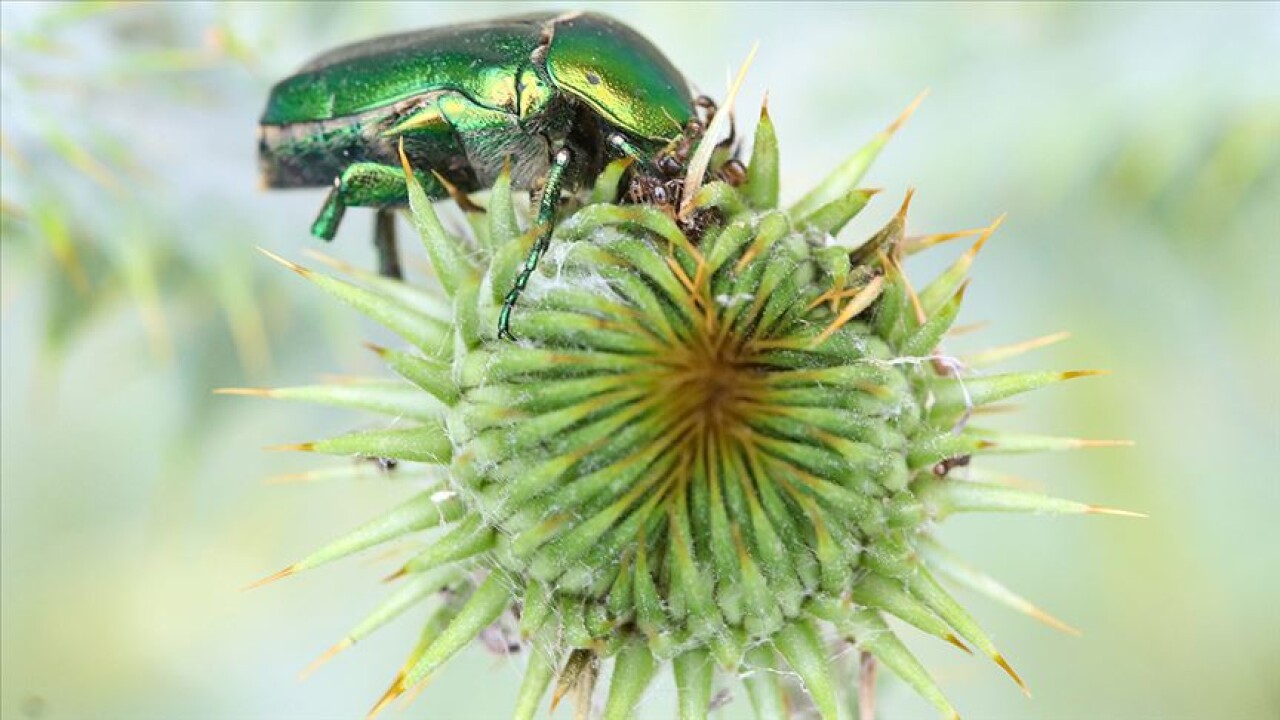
721, 451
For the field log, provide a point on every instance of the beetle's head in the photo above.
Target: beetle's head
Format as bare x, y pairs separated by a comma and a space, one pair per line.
659, 178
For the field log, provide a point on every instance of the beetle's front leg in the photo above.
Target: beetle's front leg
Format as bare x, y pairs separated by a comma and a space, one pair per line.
545, 224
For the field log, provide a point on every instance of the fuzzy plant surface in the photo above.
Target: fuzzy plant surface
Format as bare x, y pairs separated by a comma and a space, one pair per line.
722, 454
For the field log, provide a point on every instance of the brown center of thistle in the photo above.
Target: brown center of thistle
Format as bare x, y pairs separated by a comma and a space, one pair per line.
711, 391
717, 386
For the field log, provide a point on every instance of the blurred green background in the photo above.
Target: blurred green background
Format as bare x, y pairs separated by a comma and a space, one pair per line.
1136, 148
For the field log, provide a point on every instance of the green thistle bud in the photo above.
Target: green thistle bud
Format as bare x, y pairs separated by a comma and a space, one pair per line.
727, 452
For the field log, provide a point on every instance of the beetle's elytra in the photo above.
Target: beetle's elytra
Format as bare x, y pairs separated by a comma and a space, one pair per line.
555, 95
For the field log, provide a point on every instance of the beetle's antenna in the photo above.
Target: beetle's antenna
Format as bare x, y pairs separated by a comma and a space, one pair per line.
707, 145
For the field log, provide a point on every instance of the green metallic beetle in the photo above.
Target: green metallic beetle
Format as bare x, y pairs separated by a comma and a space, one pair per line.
556, 96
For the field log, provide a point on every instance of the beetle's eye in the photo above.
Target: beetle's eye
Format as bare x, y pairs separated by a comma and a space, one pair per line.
669, 165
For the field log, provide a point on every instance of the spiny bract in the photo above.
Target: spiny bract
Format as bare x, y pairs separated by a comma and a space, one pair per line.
727, 452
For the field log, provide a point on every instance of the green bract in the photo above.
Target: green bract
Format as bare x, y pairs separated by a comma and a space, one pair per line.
719, 452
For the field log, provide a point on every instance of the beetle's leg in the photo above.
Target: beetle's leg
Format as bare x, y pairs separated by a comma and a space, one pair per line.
384, 241
708, 107
367, 184
733, 133
330, 217
546, 223
624, 146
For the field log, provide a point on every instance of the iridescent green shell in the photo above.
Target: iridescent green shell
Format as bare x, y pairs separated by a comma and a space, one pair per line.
481, 60
607, 65
464, 98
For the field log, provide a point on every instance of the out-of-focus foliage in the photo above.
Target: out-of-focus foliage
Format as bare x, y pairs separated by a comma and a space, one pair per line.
1136, 149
